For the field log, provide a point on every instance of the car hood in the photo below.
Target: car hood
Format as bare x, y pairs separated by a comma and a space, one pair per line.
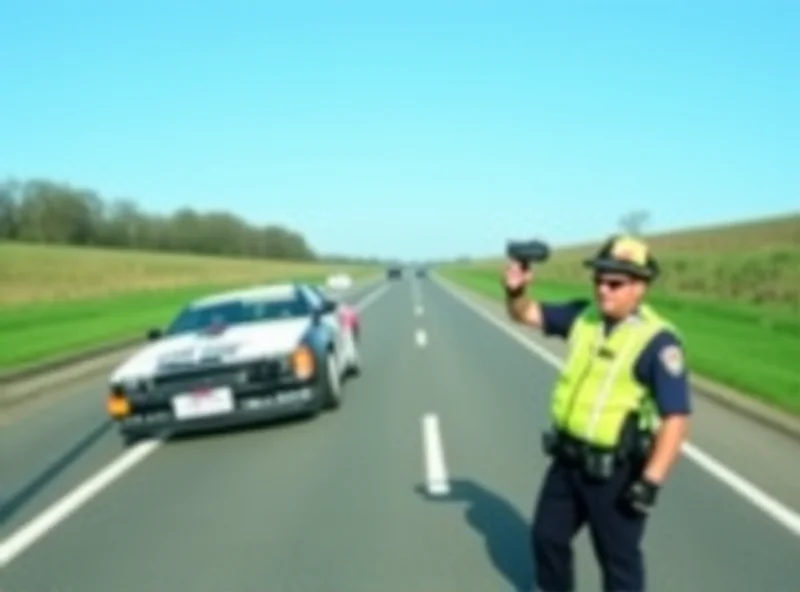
233, 345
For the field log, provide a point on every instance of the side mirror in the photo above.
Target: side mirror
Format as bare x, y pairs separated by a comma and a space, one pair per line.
328, 307
153, 334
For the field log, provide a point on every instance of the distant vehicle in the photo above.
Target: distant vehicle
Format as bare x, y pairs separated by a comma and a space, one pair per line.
421, 272
339, 281
235, 358
394, 272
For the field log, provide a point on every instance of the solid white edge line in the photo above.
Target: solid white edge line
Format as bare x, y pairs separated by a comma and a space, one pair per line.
30, 532
436, 479
370, 298
772, 507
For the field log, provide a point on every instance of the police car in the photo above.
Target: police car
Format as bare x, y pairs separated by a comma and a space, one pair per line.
237, 357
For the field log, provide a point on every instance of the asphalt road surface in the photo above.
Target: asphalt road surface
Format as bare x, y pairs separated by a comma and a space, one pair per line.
424, 480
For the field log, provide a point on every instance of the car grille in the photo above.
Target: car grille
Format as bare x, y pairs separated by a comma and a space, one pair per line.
254, 372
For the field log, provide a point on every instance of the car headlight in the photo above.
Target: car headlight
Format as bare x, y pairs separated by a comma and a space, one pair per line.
303, 362
117, 403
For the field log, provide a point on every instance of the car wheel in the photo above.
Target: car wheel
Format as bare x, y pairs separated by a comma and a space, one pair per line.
332, 383
354, 366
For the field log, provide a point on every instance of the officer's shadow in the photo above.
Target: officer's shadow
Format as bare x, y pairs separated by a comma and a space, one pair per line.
504, 530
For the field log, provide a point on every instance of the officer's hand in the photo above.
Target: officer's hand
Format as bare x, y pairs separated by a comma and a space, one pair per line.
515, 277
641, 496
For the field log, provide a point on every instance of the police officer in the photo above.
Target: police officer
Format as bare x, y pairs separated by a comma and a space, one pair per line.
620, 414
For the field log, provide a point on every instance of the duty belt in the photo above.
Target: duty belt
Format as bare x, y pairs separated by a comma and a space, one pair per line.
598, 463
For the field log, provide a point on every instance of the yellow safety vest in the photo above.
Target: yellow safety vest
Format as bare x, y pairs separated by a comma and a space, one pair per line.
597, 389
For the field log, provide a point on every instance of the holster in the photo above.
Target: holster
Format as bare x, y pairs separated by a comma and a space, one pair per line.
595, 462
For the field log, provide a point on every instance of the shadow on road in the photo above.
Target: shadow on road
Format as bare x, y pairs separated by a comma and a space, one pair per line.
10, 506
16, 501
503, 528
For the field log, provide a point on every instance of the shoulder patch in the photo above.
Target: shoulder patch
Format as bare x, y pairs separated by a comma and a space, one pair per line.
672, 359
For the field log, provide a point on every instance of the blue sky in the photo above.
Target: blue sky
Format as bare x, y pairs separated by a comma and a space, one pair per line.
412, 129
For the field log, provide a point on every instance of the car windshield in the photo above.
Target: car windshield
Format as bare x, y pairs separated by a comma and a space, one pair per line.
236, 312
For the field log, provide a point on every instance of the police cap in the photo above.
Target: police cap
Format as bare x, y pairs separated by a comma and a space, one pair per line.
627, 255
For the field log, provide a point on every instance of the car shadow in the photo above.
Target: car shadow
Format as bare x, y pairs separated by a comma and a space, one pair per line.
504, 530
16, 501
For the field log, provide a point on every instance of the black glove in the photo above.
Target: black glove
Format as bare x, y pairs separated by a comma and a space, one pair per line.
641, 496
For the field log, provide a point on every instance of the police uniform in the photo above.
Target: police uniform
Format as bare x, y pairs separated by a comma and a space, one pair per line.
620, 378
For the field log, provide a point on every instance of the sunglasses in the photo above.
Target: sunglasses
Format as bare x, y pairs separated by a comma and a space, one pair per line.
610, 283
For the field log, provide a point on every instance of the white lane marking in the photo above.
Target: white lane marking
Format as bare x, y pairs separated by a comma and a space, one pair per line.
435, 469
16, 543
371, 298
47, 520
419, 311
421, 338
772, 507
778, 511
416, 293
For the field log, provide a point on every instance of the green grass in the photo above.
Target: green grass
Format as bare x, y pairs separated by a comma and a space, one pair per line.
753, 263
743, 346
56, 301
50, 273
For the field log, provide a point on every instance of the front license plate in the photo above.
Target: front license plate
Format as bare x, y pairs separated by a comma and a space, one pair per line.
203, 403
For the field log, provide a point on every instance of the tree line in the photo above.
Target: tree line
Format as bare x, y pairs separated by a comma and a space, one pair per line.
43, 211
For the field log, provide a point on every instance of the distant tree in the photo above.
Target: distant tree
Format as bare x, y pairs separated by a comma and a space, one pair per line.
9, 212
44, 211
634, 222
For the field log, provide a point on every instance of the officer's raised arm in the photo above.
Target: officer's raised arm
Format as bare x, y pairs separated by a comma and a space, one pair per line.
518, 305
553, 318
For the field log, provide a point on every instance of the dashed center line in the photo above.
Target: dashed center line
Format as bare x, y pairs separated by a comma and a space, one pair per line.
421, 337
436, 479
416, 297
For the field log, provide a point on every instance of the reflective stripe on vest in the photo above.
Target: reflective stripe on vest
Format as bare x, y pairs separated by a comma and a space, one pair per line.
598, 388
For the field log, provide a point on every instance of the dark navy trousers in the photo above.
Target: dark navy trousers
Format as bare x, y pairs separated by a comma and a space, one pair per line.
569, 500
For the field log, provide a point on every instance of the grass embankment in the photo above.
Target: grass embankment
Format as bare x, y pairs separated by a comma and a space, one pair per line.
60, 300
733, 291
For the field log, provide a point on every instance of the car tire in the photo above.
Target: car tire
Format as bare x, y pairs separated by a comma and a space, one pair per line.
330, 384
354, 368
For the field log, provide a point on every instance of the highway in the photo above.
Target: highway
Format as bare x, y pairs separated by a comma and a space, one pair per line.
424, 480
